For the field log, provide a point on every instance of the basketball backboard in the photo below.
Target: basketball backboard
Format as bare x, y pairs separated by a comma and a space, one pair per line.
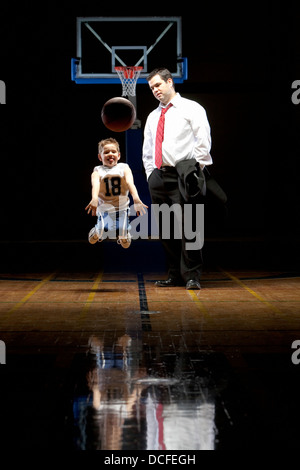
106, 42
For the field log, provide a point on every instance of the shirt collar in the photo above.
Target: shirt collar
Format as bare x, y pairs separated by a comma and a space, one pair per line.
174, 101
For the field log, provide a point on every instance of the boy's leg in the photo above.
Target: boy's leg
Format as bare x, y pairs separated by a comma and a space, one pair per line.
124, 238
111, 225
96, 233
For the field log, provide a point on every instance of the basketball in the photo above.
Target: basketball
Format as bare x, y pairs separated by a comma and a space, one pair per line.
118, 114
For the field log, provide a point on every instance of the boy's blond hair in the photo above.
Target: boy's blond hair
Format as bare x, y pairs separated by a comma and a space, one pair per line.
104, 142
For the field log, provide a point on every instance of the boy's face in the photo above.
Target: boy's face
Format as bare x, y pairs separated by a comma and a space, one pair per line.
110, 155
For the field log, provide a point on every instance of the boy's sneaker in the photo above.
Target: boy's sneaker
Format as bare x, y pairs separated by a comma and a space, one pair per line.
125, 242
94, 236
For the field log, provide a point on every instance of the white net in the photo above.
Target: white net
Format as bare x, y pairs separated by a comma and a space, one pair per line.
128, 76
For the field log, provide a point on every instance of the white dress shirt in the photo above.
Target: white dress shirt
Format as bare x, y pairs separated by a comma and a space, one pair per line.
186, 134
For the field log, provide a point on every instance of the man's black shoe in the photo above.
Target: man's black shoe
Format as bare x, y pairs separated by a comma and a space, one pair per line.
169, 283
192, 284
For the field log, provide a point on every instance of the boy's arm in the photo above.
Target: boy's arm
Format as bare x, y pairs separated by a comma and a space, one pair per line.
93, 204
139, 206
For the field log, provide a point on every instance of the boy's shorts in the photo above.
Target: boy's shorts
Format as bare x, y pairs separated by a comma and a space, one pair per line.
113, 224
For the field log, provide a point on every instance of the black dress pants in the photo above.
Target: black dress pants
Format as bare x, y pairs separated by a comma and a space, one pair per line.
181, 262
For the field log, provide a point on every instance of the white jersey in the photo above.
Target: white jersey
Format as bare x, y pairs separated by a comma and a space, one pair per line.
113, 193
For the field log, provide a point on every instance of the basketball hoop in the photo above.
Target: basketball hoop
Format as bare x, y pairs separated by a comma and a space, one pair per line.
128, 76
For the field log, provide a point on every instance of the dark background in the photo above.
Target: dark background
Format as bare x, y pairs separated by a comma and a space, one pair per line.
242, 60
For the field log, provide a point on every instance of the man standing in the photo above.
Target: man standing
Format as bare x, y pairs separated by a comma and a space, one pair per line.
176, 132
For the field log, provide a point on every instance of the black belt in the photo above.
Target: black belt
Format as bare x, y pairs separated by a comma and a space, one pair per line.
170, 169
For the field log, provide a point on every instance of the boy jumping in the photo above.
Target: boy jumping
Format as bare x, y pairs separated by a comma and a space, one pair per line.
111, 184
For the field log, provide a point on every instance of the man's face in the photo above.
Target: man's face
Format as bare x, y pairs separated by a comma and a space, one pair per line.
163, 91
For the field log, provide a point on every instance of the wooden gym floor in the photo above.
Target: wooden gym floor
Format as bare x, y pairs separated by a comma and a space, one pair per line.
103, 359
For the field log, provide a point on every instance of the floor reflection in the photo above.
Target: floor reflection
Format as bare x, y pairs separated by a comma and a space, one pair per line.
132, 396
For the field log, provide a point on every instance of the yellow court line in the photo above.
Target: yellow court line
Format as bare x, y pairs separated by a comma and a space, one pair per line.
197, 301
251, 291
30, 294
92, 293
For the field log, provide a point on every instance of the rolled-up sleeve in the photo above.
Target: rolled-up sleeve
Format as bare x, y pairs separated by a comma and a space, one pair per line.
148, 147
202, 135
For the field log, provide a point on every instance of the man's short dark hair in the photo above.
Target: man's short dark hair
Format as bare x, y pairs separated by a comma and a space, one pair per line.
164, 74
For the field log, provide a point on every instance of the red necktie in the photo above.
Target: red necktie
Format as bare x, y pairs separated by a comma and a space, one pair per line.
160, 136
